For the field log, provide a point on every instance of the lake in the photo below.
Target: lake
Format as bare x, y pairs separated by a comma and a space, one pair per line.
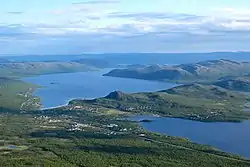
229, 137
58, 89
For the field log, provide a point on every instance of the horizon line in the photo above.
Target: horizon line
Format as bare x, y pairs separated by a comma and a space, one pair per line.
122, 53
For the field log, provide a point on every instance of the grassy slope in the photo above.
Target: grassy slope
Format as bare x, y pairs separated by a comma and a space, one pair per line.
14, 93
196, 102
94, 147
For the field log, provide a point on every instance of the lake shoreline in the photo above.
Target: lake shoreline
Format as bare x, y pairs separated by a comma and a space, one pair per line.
199, 132
93, 85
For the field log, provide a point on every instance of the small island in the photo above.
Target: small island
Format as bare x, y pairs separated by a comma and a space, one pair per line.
54, 83
146, 120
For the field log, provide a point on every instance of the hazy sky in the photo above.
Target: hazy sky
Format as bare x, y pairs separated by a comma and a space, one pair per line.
97, 26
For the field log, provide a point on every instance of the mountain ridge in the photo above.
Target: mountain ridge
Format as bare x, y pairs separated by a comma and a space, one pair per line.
205, 70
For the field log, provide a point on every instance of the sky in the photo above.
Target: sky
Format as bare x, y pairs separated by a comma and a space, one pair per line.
114, 26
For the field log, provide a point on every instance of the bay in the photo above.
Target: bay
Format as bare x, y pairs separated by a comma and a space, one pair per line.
58, 89
228, 137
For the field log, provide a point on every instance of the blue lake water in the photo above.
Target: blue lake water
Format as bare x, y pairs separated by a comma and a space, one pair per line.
13, 147
58, 89
229, 137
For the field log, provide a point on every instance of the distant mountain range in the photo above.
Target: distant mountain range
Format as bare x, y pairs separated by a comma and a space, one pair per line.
22, 69
194, 72
97, 63
136, 58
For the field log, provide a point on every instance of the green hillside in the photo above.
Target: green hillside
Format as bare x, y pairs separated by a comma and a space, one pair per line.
195, 102
17, 95
197, 72
94, 133
73, 138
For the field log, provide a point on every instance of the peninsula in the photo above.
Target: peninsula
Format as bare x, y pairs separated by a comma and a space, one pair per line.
186, 73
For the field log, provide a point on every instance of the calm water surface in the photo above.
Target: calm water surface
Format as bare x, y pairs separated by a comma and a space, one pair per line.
58, 89
229, 137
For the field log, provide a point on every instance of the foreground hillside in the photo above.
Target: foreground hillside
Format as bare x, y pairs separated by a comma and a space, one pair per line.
82, 137
202, 71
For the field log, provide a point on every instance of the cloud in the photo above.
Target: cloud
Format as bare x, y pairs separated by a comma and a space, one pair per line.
154, 15
235, 12
14, 30
98, 26
97, 2
86, 8
75, 43
101, 16
14, 13
138, 23
106, 20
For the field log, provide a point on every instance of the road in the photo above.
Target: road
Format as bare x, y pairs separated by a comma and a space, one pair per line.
29, 100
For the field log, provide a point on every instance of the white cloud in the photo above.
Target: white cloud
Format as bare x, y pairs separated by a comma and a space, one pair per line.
102, 16
100, 23
232, 12
232, 18
82, 18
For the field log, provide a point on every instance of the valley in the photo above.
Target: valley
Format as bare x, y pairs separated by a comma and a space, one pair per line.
95, 129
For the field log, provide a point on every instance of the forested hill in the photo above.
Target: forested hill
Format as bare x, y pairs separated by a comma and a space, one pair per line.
193, 101
202, 71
